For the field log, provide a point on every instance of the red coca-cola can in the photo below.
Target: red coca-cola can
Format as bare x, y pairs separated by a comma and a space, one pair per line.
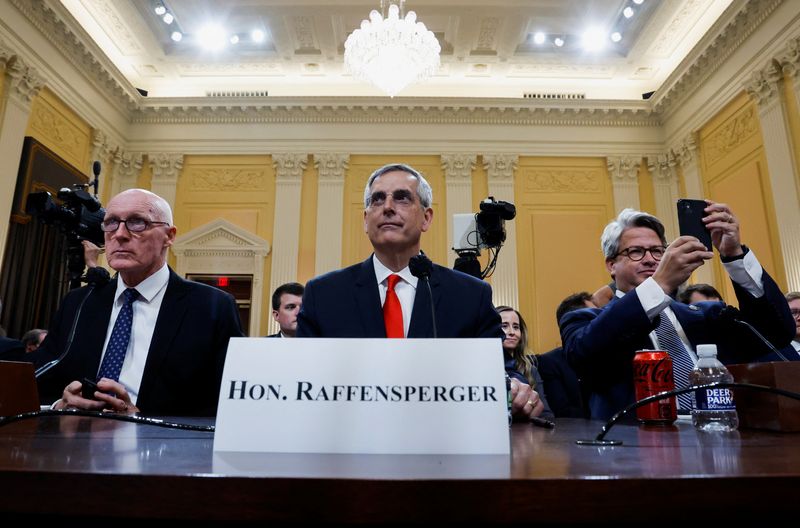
652, 373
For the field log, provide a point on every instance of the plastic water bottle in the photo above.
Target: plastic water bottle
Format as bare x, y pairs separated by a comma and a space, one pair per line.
714, 409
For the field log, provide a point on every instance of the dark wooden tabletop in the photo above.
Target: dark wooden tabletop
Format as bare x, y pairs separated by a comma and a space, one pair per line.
87, 467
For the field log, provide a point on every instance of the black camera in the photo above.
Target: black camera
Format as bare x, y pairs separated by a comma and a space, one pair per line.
490, 222
485, 229
79, 215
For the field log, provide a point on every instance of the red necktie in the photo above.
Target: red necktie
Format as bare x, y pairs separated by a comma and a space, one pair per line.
392, 311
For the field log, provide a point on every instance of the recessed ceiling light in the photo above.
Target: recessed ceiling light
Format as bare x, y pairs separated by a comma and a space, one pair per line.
212, 37
257, 35
160, 9
638, 2
168, 18
593, 40
558, 41
539, 37
628, 12
235, 39
177, 36
616, 36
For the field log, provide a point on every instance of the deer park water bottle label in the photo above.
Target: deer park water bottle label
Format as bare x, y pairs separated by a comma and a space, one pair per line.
714, 400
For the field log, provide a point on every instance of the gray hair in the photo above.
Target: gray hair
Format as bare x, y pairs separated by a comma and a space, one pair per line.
792, 296
628, 218
424, 190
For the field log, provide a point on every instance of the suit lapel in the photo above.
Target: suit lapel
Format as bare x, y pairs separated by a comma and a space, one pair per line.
95, 315
368, 301
692, 320
421, 322
170, 316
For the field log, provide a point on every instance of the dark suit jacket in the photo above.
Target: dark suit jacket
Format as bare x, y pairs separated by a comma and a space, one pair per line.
346, 303
11, 349
600, 343
562, 386
275, 335
184, 365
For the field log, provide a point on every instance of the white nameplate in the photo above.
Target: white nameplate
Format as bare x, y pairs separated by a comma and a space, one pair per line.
382, 396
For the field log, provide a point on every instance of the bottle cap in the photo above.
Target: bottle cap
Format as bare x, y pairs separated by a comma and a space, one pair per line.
706, 350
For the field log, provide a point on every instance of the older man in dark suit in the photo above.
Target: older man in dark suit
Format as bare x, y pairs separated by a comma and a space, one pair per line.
380, 297
154, 342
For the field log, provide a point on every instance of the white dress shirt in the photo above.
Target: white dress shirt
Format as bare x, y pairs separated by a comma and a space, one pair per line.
406, 289
145, 313
745, 272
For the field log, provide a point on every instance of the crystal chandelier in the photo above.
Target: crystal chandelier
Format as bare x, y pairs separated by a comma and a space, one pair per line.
392, 52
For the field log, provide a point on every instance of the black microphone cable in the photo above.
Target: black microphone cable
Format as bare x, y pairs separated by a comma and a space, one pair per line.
5, 420
50, 364
731, 313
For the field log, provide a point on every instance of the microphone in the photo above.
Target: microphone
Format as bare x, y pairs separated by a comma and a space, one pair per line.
96, 172
733, 315
50, 364
421, 266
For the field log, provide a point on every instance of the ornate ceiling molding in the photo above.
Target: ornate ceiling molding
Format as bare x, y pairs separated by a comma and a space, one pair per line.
715, 51
406, 111
48, 17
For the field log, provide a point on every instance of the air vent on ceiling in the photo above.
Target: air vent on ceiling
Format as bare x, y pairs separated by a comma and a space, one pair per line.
238, 93
535, 95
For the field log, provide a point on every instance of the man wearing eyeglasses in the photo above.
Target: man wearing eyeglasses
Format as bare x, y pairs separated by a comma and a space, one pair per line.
152, 341
380, 297
601, 343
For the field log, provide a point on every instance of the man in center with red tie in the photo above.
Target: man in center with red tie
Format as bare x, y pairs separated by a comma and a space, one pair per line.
380, 297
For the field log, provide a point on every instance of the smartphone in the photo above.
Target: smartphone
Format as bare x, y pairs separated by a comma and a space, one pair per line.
88, 388
690, 220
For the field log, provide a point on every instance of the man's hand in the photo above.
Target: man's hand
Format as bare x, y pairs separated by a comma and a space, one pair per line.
110, 396
91, 253
724, 229
681, 258
525, 401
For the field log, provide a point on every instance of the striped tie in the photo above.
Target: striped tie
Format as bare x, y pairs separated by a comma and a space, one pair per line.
682, 364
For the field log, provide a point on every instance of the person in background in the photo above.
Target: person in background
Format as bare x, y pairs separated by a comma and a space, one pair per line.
33, 338
695, 293
565, 393
287, 299
520, 360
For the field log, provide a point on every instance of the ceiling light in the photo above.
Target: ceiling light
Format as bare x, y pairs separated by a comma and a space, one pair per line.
212, 37
392, 52
558, 41
628, 12
539, 37
616, 36
168, 18
593, 40
257, 35
160, 9
638, 2
235, 39
177, 36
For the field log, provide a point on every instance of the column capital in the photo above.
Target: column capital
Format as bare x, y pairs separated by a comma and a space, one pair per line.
790, 60
331, 166
624, 168
764, 84
458, 167
662, 167
24, 82
685, 151
289, 166
128, 164
500, 166
166, 166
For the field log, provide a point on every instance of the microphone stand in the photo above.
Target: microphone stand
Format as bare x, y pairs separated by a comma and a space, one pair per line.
599, 440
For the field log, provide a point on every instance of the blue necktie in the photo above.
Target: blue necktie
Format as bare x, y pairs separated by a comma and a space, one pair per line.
682, 364
120, 337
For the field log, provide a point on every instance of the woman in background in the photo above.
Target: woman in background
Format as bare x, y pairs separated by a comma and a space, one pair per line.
520, 361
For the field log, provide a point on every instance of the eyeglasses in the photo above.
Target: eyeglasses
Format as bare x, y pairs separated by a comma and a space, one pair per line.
134, 225
400, 197
795, 312
637, 253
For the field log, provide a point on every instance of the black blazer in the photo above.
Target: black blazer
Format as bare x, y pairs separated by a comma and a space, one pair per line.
184, 365
346, 303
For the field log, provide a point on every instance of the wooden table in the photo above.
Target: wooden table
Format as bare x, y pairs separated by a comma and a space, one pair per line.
86, 467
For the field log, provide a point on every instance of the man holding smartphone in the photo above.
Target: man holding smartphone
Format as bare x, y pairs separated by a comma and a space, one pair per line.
600, 343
